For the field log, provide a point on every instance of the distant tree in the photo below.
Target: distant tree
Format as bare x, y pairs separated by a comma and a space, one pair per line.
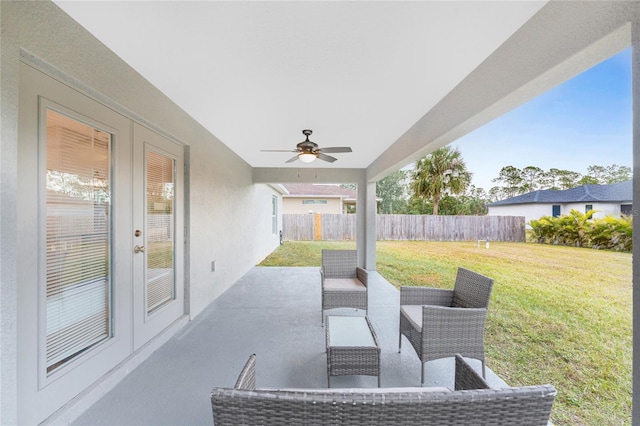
551, 179
531, 177
418, 205
588, 180
476, 200
568, 179
474, 191
511, 179
443, 172
597, 174
496, 193
472, 202
617, 174
393, 192
606, 175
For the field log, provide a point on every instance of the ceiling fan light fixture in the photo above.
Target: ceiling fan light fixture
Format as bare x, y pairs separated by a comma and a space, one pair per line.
306, 157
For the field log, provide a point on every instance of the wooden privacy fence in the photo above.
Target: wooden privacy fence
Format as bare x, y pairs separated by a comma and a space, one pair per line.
304, 227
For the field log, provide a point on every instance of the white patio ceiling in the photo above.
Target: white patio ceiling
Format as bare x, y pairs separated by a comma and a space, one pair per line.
358, 73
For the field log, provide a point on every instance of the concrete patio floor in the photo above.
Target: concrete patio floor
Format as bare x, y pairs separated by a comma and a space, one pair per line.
274, 313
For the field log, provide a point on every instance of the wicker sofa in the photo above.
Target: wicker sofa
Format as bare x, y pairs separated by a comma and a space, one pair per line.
471, 403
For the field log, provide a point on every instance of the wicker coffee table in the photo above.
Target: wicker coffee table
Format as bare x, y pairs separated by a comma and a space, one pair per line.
352, 347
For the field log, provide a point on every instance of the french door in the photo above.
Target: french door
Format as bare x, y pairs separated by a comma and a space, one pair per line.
158, 236
101, 241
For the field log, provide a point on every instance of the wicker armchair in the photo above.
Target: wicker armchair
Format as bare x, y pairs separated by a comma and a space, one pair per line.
344, 283
440, 323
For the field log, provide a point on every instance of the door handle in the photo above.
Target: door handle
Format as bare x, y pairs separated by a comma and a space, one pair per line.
138, 249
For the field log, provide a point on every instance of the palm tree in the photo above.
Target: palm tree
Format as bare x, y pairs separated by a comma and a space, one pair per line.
439, 173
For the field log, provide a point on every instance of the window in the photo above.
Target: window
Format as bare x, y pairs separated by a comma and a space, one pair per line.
555, 210
625, 209
160, 218
274, 215
314, 202
588, 207
78, 238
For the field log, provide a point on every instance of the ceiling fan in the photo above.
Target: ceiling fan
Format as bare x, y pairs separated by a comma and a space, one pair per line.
308, 151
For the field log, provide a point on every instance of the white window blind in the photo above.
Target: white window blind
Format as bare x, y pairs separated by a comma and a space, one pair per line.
78, 238
160, 223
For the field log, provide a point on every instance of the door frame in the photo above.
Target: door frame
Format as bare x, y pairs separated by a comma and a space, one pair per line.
146, 326
38, 399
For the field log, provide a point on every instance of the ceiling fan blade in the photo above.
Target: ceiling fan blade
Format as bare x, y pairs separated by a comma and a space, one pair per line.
278, 150
328, 158
336, 149
292, 159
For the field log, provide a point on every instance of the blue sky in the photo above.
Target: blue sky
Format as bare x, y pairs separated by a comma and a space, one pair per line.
585, 121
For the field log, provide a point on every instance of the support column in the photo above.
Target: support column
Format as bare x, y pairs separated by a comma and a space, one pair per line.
366, 228
371, 228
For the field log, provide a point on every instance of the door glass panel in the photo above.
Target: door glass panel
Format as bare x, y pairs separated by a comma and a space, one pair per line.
160, 275
78, 238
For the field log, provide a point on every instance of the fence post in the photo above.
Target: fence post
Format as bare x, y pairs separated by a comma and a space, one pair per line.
317, 226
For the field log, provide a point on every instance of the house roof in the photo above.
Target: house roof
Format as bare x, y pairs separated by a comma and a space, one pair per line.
617, 192
316, 190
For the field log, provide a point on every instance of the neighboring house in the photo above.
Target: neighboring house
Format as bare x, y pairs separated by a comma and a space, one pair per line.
607, 200
317, 198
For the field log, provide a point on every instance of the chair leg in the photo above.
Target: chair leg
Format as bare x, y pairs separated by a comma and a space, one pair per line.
399, 341
484, 373
421, 373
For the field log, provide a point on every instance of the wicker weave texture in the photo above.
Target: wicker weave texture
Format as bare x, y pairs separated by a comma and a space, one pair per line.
344, 299
453, 321
339, 263
472, 290
525, 406
425, 296
247, 377
342, 264
447, 331
353, 360
466, 377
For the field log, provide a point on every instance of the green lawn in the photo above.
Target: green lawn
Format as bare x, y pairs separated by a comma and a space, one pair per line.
557, 315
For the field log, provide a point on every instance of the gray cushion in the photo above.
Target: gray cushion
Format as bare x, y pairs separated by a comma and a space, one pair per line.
344, 284
414, 314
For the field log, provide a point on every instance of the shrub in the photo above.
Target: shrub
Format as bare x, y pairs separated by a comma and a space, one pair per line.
612, 233
580, 230
543, 230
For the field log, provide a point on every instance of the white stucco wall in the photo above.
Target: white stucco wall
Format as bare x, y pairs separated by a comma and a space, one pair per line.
536, 211
529, 211
601, 209
229, 216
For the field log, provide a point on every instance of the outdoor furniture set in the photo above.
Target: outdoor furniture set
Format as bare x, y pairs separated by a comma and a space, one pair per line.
438, 323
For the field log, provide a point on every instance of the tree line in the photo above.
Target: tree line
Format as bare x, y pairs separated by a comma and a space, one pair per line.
513, 181
440, 183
